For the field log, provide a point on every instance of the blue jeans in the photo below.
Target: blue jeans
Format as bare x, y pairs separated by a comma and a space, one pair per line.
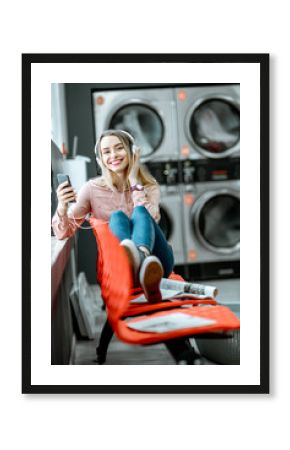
144, 231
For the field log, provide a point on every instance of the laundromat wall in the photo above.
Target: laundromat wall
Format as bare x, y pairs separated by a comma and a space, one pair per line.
194, 153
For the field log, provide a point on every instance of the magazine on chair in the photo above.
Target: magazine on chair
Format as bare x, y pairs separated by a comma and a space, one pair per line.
179, 289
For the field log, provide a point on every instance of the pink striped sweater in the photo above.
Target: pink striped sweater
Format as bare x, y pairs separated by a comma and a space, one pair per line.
100, 201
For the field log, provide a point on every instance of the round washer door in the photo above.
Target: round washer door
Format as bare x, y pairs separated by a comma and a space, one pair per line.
214, 126
165, 223
143, 122
215, 220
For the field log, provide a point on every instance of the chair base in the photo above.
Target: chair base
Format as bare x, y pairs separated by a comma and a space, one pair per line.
180, 349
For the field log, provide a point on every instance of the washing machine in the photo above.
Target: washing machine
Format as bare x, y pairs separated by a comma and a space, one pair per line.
208, 119
212, 219
171, 207
148, 114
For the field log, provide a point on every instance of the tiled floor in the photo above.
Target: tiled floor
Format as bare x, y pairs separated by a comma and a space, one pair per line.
122, 354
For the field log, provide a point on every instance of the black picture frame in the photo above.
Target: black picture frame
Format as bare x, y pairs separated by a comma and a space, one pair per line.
259, 59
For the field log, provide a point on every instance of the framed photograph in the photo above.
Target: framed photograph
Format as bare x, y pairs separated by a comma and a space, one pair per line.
199, 124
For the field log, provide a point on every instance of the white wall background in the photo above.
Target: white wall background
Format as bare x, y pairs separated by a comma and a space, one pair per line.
201, 421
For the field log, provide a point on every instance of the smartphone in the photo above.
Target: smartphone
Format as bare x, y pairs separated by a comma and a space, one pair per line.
61, 178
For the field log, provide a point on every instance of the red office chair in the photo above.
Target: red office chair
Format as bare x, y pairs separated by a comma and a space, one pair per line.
116, 283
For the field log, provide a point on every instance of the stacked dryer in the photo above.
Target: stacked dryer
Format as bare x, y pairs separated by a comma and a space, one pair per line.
149, 114
208, 120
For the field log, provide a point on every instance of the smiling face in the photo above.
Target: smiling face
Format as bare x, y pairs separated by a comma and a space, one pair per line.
114, 154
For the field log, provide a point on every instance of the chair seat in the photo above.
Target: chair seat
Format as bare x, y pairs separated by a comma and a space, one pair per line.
222, 317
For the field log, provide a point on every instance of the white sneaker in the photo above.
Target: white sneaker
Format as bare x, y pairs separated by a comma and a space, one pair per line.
133, 256
150, 275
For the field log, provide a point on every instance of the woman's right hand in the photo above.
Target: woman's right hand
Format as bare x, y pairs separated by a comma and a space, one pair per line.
65, 194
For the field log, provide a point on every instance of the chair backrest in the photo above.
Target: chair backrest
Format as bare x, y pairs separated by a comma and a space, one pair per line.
114, 273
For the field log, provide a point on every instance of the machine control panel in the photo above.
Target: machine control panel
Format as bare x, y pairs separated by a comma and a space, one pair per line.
205, 170
166, 173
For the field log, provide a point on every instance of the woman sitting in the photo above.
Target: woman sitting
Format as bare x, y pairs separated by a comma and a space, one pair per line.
127, 197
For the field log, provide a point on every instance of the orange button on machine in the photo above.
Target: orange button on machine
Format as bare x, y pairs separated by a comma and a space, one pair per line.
188, 199
192, 255
184, 151
182, 95
100, 100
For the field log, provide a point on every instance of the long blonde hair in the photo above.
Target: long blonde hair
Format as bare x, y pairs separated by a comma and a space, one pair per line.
128, 142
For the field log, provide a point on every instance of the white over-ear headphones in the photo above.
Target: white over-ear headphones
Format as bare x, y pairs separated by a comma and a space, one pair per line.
131, 140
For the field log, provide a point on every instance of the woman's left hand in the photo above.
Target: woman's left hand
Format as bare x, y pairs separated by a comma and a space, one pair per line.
133, 175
